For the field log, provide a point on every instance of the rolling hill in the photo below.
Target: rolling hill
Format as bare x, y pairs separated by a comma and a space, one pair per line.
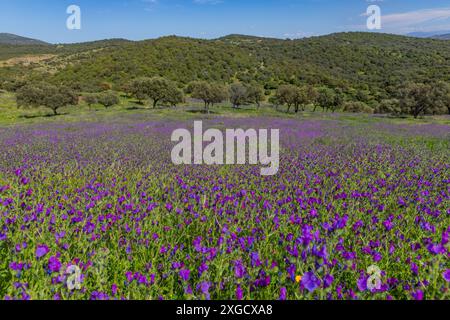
364, 65
12, 39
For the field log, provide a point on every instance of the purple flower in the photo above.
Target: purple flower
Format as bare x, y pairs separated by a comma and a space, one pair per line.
203, 267
362, 283
377, 257
114, 289
418, 295
328, 281
283, 294
388, 225
41, 251
255, 259
414, 268
129, 275
446, 275
177, 265
184, 274
239, 293
188, 290
204, 289
16, 266
310, 281
99, 296
54, 265
436, 248
239, 269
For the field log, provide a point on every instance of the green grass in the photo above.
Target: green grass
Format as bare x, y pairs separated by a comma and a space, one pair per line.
128, 109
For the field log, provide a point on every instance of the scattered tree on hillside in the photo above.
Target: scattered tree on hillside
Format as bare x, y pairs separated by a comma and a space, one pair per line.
389, 106
441, 96
329, 99
219, 93
356, 107
46, 95
12, 85
156, 89
303, 97
238, 95
108, 99
90, 100
325, 98
255, 94
286, 95
298, 97
138, 89
312, 95
210, 94
200, 90
274, 101
173, 97
420, 99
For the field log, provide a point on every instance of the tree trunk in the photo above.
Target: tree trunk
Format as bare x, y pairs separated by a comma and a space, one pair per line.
155, 102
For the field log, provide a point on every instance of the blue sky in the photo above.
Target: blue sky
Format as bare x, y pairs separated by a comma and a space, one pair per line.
144, 19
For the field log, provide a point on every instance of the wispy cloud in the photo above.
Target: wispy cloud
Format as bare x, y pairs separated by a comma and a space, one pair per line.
150, 4
298, 35
213, 2
416, 17
419, 20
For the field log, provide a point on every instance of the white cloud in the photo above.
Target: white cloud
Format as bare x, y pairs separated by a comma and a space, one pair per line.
416, 17
298, 35
420, 20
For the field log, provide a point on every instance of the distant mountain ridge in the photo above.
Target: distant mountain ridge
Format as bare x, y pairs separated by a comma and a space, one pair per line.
12, 39
442, 36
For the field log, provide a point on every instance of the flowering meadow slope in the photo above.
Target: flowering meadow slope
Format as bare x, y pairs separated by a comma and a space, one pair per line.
106, 199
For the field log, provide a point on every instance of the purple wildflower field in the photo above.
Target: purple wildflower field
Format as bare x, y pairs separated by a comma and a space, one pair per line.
107, 199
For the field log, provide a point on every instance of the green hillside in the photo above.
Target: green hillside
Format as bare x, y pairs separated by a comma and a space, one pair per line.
12, 39
364, 65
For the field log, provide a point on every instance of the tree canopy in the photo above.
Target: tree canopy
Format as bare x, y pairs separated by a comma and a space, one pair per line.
46, 95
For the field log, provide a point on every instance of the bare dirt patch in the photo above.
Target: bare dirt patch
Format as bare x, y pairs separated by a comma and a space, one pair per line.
26, 60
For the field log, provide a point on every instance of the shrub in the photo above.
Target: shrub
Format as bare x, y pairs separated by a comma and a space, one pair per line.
356, 107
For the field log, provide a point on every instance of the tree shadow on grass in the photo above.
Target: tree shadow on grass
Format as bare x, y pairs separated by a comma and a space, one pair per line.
205, 112
35, 116
141, 103
134, 108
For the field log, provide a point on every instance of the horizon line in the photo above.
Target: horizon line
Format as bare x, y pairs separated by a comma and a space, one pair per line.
235, 34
